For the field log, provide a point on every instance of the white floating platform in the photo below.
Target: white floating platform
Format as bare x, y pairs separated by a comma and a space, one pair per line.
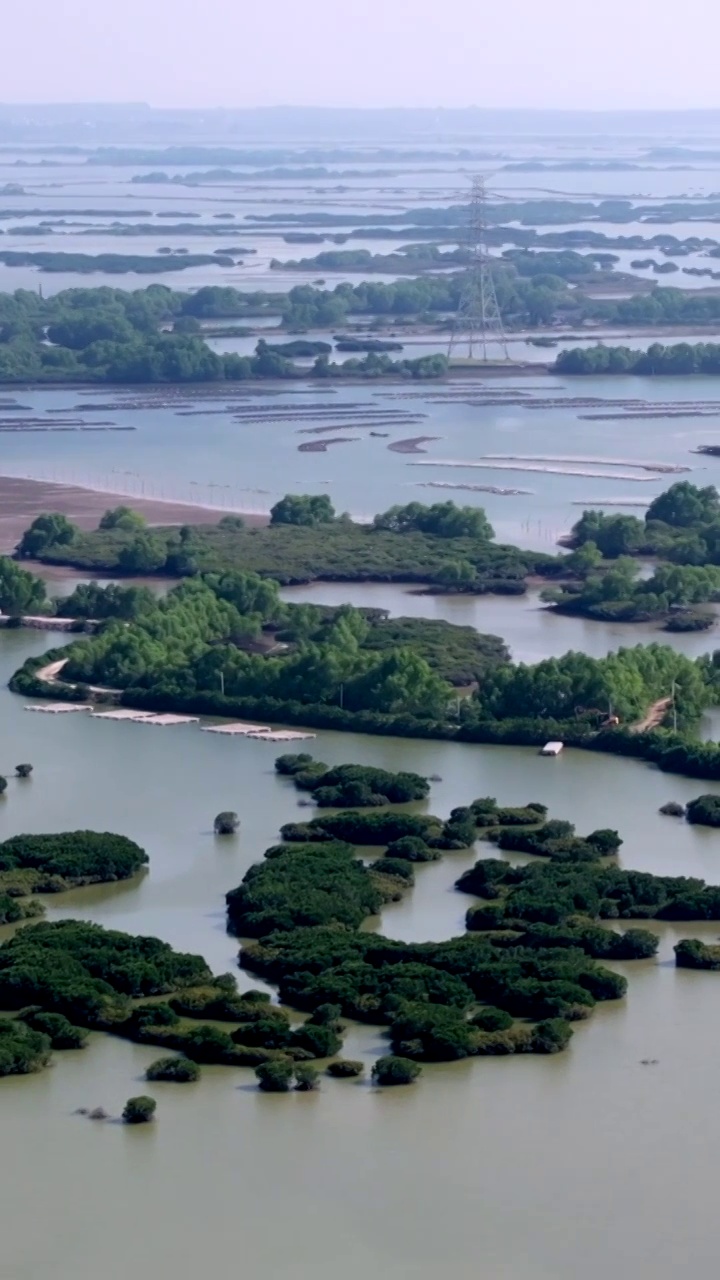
552, 749
240, 728
166, 720
124, 713
259, 731
144, 717
60, 708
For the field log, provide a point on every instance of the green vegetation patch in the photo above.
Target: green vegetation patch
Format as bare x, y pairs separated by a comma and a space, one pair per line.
49, 863
310, 884
345, 785
88, 973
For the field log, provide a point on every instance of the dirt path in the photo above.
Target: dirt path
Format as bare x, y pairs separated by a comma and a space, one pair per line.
51, 673
654, 717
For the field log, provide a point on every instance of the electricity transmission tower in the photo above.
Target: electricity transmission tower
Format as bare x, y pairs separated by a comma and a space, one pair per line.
478, 322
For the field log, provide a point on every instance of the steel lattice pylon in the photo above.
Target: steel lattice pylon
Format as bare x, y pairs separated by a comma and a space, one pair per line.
478, 321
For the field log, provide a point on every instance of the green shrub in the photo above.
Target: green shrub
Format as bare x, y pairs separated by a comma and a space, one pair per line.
551, 1036
322, 1041
391, 1070
491, 1019
62, 1033
275, 1077
691, 953
705, 810
431, 1032
139, 1110
412, 849
22, 1050
181, 1070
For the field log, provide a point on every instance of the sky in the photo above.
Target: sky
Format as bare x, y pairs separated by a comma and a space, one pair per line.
363, 53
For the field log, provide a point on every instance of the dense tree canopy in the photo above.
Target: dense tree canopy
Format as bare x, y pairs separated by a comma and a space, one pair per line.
681, 525
682, 358
195, 639
306, 884
305, 509
20, 592
627, 681
53, 530
441, 520
89, 973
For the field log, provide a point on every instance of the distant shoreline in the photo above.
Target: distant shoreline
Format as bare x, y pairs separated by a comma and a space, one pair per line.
520, 368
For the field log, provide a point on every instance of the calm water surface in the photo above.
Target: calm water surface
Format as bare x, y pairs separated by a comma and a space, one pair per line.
514, 1169
211, 458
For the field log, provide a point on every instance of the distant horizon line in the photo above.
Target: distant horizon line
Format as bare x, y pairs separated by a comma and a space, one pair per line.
289, 106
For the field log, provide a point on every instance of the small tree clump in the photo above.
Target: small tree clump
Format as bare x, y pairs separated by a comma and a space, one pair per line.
178, 1070
3, 784
140, 1110
275, 1077
23, 770
705, 810
393, 1070
306, 1077
226, 823
345, 1069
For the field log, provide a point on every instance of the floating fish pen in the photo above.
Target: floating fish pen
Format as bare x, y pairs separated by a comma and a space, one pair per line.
663, 468
167, 721
532, 466
59, 708
144, 717
259, 731
123, 713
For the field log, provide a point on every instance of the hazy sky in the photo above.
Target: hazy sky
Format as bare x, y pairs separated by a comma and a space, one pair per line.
524, 53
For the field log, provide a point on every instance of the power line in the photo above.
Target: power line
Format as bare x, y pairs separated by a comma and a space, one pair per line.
478, 320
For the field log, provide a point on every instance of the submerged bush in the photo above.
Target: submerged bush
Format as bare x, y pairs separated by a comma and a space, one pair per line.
345, 1069
672, 809
226, 823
